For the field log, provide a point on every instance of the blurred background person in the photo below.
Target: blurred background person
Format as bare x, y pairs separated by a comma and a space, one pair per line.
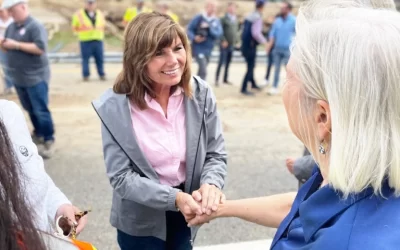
163, 7
252, 36
270, 59
204, 30
132, 12
229, 39
5, 20
29, 69
89, 23
280, 37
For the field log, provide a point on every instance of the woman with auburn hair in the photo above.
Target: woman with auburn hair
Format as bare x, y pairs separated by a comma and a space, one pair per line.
162, 139
342, 99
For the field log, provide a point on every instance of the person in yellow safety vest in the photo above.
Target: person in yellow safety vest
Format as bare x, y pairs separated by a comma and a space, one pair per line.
132, 12
88, 23
163, 7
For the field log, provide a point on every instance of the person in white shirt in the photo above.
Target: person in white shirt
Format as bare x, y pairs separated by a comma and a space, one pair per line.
5, 20
46, 200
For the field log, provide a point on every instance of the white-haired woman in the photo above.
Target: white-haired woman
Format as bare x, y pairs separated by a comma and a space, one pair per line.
342, 99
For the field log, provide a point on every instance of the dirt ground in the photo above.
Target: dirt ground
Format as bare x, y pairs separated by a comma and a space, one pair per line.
257, 135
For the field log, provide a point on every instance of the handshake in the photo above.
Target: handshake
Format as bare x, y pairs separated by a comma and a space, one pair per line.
201, 206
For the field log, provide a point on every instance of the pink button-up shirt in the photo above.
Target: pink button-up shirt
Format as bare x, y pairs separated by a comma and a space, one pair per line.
161, 139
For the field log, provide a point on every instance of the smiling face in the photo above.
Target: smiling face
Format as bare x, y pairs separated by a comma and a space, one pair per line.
167, 64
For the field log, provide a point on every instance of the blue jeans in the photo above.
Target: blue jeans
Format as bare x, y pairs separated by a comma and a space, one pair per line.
202, 60
280, 56
35, 101
95, 49
4, 65
270, 61
225, 58
178, 237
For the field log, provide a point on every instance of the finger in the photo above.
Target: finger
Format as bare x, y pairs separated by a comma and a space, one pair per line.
196, 196
198, 220
216, 201
211, 199
70, 214
223, 198
189, 217
194, 207
205, 194
81, 224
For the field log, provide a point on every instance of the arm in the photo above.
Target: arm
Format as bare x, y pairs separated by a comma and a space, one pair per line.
75, 23
128, 184
267, 211
19, 135
38, 44
216, 30
214, 170
192, 26
303, 167
223, 25
272, 35
256, 31
127, 17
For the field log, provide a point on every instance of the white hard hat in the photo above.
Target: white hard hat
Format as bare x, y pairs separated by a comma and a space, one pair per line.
10, 3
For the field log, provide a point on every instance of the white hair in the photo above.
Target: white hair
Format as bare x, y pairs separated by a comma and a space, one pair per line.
348, 54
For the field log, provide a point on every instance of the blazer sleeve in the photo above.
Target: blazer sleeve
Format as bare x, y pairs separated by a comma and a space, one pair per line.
128, 184
303, 167
215, 166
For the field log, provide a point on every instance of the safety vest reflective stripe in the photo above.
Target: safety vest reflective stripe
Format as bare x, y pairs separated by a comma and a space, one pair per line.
82, 24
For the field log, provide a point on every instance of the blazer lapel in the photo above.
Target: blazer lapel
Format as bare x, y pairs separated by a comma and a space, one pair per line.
194, 110
116, 116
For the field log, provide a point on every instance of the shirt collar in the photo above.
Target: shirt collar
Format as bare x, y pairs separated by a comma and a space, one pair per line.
324, 204
26, 22
179, 90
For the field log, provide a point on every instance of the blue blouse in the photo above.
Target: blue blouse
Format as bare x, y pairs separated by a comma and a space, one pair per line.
321, 220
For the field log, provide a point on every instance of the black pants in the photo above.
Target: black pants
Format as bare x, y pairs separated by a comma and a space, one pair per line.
178, 237
225, 58
270, 63
250, 57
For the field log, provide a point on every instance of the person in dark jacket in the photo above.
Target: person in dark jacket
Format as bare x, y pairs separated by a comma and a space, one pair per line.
252, 36
229, 39
203, 32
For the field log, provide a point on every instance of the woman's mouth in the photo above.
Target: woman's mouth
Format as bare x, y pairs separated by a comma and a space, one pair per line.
170, 72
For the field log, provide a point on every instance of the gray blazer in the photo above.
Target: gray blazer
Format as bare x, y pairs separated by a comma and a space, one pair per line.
139, 200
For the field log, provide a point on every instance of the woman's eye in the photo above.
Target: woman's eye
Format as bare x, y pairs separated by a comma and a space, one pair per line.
159, 53
178, 48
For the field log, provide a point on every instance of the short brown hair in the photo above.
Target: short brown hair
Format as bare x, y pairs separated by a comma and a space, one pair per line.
144, 36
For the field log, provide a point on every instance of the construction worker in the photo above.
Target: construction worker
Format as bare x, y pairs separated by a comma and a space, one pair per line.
88, 23
132, 12
163, 7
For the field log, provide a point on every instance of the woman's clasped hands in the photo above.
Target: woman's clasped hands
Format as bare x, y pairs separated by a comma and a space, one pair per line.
201, 206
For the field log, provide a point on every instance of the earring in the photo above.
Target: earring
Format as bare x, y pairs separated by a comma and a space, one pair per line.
322, 150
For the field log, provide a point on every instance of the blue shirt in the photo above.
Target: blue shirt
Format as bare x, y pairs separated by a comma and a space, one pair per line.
283, 31
321, 220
